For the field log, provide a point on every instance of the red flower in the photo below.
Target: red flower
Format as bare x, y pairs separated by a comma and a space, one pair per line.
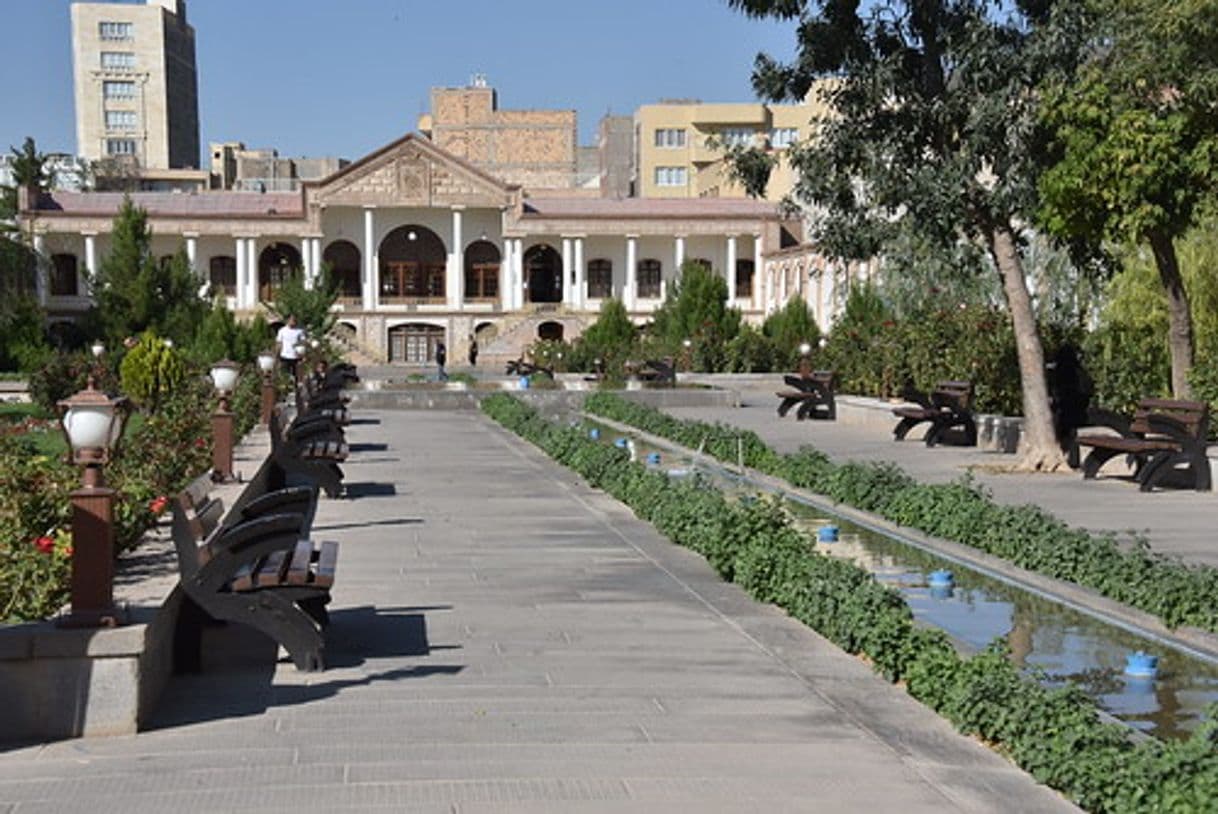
67, 552
45, 544
200, 443
158, 504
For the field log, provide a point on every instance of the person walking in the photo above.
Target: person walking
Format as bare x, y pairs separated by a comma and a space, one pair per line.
441, 359
473, 352
289, 339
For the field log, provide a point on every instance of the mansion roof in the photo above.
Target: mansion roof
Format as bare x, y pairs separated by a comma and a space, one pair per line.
647, 208
177, 204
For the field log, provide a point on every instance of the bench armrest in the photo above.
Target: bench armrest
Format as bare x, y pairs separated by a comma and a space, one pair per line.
1173, 428
1100, 417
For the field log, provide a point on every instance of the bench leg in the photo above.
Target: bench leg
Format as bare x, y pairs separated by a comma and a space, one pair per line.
970, 432
903, 427
806, 410
831, 412
1096, 459
785, 407
278, 617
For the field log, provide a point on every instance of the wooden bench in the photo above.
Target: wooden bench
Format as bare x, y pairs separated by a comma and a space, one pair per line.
657, 371
258, 567
1166, 438
947, 408
310, 449
814, 393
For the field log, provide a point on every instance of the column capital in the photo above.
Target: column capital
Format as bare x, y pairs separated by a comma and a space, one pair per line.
457, 207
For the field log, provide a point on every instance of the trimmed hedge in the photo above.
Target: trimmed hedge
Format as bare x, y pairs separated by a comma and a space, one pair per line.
1026, 536
1054, 734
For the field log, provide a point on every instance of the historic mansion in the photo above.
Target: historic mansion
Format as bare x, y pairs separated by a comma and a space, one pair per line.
426, 247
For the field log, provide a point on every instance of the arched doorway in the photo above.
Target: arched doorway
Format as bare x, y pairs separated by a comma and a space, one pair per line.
342, 257
277, 263
550, 331
543, 270
413, 261
482, 271
414, 343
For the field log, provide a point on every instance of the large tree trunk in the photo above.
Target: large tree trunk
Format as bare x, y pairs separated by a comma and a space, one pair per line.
1038, 447
1179, 317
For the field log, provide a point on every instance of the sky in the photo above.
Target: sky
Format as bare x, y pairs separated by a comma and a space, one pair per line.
344, 77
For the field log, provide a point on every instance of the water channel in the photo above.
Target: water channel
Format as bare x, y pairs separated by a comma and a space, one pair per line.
1053, 642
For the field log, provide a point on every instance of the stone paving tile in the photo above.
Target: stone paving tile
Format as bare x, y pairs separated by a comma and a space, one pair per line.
537, 651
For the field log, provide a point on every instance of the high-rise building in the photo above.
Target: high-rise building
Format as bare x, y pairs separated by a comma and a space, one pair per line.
137, 100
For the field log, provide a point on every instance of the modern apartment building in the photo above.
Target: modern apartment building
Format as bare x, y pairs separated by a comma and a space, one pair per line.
136, 85
532, 148
676, 152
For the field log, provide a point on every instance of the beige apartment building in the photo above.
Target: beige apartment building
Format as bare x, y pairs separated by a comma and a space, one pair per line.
532, 148
676, 155
136, 85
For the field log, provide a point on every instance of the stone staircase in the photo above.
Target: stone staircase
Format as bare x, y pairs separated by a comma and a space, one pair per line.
510, 338
356, 352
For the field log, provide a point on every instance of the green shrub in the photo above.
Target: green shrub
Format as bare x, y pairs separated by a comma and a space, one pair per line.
151, 370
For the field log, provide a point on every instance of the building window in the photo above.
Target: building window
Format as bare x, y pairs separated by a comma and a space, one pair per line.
481, 271
737, 136
648, 281
744, 279
118, 90
670, 176
115, 31
117, 60
671, 137
222, 275
120, 120
120, 146
600, 279
63, 275
783, 137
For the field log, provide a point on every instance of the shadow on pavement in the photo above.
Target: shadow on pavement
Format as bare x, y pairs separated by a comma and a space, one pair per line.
368, 489
363, 422
395, 521
369, 447
238, 677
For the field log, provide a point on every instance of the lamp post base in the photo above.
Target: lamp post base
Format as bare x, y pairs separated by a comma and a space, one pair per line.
92, 557
110, 617
222, 446
268, 401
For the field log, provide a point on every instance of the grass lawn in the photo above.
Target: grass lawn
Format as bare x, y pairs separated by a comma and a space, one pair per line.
50, 441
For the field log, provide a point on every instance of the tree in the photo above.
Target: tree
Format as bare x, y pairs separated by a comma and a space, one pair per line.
788, 329
696, 309
313, 306
934, 119
1135, 135
28, 167
136, 292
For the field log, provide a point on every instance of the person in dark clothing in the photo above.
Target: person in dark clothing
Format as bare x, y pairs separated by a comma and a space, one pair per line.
473, 352
441, 359
1070, 392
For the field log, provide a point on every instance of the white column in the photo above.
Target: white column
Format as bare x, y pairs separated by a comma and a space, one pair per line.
678, 256
192, 251
580, 297
506, 276
756, 271
251, 271
628, 293
769, 292
456, 264
41, 283
306, 262
315, 253
829, 307
370, 261
782, 286
242, 274
731, 268
90, 264
518, 267
567, 287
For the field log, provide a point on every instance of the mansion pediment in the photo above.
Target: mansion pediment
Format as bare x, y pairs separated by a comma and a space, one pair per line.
412, 172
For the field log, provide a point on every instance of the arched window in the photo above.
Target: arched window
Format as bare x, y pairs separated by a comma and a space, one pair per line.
543, 271
482, 271
342, 257
649, 275
276, 264
744, 279
413, 261
222, 274
600, 278
63, 275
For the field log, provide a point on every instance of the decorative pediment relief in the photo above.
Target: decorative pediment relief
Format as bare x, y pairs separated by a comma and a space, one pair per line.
412, 172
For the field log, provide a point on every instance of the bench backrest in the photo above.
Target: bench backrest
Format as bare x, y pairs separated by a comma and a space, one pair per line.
194, 521
1194, 415
958, 395
825, 378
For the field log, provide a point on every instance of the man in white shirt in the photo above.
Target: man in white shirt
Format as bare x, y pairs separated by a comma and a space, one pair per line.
288, 339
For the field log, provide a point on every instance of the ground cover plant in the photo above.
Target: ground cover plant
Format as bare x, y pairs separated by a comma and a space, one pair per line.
1054, 734
1026, 536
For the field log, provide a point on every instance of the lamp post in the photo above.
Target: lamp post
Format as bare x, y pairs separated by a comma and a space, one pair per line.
805, 362
687, 345
93, 423
224, 377
266, 365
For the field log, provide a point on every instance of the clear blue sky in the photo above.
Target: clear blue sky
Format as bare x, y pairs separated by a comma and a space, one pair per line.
342, 77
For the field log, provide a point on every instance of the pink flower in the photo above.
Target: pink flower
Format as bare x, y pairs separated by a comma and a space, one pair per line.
45, 544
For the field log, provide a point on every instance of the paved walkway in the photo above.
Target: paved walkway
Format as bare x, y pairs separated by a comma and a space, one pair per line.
506, 639
1178, 522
